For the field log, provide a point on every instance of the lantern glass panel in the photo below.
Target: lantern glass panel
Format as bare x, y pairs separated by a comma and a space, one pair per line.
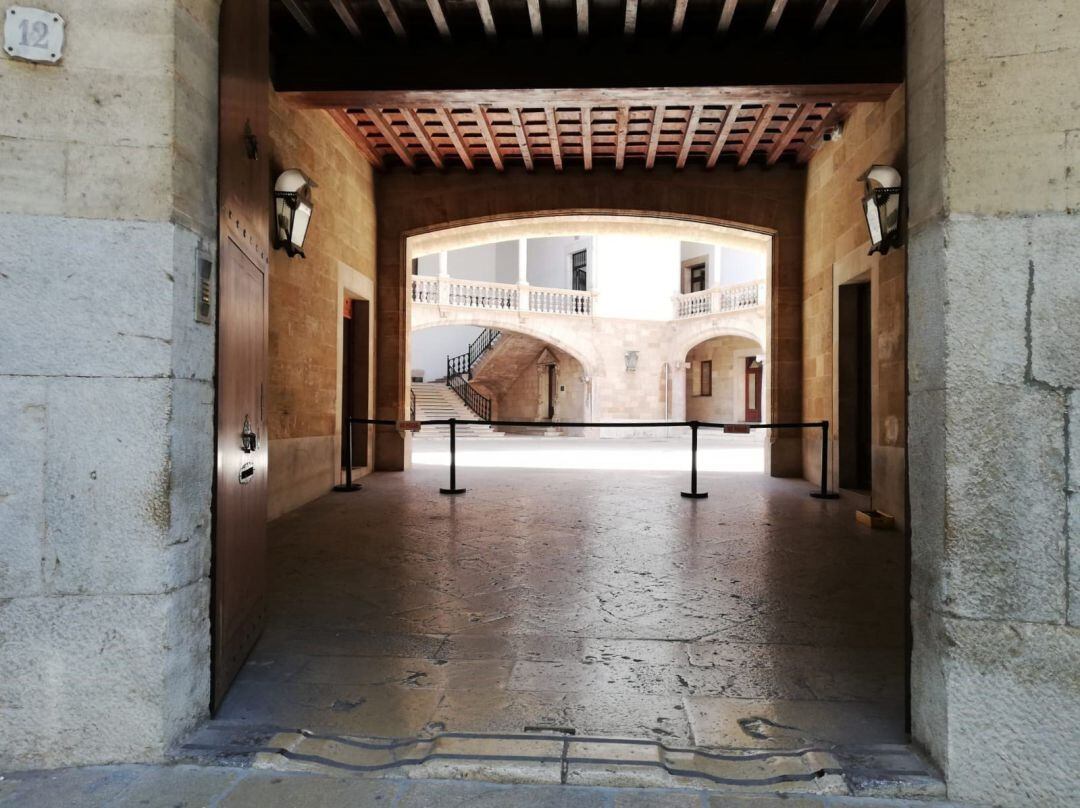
873, 220
301, 219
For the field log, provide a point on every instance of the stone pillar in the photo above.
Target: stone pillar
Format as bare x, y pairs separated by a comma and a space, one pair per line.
444, 278
678, 390
523, 274
994, 367
106, 448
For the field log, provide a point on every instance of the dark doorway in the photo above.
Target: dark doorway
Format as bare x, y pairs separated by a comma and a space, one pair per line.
854, 400
551, 376
579, 262
697, 278
753, 389
354, 379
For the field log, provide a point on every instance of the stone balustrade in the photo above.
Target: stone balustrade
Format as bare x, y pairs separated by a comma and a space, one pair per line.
720, 299
492, 296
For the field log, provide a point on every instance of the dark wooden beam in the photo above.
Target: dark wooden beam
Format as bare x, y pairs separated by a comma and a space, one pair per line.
535, 21
654, 135
454, 134
488, 134
390, 12
792, 129
827, 9
630, 21
764, 119
387, 131
873, 13
345, 14
354, 133
437, 14
775, 13
586, 137
726, 14
553, 137
622, 126
486, 17
302, 19
522, 137
639, 66
582, 18
722, 135
688, 136
421, 133
678, 17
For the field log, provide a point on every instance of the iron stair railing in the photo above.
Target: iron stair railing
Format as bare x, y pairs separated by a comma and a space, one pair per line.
459, 373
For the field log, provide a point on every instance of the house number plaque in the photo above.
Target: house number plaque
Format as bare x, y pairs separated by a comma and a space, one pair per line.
33, 34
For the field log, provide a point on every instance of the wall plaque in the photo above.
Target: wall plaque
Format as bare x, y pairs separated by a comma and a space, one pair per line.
33, 34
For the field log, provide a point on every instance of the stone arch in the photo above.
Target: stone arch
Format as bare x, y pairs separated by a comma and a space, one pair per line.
689, 341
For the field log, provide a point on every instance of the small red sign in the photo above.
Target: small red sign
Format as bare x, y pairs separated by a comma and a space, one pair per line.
409, 426
736, 429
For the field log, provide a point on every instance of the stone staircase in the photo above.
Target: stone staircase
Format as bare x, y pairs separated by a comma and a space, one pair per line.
434, 400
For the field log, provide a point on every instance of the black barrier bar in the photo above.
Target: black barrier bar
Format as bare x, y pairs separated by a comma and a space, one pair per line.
693, 493
822, 493
349, 484
453, 489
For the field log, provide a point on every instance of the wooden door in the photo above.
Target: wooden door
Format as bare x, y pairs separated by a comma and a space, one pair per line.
355, 393
753, 390
239, 543
551, 377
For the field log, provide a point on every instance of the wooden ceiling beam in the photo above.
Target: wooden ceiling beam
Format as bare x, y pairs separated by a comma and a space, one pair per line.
825, 14
792, 129
775, 13
488, 135
392, 138
654, 135
390, 12
522, 137
582, 18
553, 137
726, 14
622, 126
638, 97
688, 136
678, 17
302, 19
421, 133
763, 121
356, 135
630, 20
439, 17
454, 134
535, 21
345, 14
873, 13
586, 137
487, 17
722, 135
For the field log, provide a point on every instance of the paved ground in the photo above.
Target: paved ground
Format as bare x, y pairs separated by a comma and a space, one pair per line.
595, 600
194, 787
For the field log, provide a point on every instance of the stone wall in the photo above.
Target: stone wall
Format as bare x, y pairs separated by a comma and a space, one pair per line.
108, 166
306, 302
836, 249
728, 399
423, 201
994, 361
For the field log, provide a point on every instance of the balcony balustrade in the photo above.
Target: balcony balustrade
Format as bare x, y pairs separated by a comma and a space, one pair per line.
720, 299
499, 296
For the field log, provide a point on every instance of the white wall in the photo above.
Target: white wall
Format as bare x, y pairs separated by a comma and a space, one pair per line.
740, 266
471, 263
430, 347
549, 260
635, 277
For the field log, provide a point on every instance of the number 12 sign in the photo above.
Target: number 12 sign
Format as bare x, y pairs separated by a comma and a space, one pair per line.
33, 34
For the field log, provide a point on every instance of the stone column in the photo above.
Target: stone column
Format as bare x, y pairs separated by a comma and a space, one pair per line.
994, 369
522, 274
444, 278
678, 390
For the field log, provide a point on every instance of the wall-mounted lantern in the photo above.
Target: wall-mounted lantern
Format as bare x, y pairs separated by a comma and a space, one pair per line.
631, 361
292, 206
882, 208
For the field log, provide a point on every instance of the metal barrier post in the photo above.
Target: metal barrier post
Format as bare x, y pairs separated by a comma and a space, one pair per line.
693, 493
349, 484
453, 489
824, 493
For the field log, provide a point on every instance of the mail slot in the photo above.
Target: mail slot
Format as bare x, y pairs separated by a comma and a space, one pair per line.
247, 471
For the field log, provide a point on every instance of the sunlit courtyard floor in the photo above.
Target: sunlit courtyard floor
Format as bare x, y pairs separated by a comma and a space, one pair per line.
573, 588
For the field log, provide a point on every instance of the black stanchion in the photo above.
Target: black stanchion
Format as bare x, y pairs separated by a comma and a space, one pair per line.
453, 489
824, 493
693, 493
349, 484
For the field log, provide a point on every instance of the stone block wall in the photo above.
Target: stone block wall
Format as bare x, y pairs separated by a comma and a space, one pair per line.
728, 399
836, 249
108, 166
994, 362
306, 303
